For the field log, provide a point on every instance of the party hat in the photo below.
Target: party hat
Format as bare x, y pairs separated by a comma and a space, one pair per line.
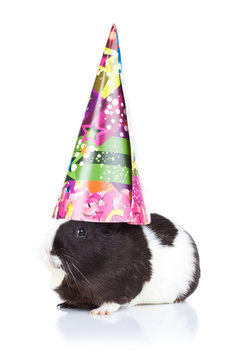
102, 183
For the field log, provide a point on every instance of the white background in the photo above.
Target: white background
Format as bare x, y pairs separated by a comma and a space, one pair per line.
182, 75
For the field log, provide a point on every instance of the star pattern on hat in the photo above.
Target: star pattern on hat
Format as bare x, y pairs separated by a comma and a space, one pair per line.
93, 132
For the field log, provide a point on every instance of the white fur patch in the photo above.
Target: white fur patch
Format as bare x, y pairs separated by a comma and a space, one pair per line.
172, 269
57, 277
106, 309
53, 263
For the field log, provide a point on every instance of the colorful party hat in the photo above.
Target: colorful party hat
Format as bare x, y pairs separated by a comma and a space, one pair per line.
102, 183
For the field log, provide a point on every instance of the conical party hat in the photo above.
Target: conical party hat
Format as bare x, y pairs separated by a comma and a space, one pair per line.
102, 183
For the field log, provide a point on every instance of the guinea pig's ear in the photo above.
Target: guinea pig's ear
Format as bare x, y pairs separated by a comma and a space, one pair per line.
111, 228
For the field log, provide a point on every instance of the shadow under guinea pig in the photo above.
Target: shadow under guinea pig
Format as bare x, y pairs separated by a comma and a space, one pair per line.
140, 323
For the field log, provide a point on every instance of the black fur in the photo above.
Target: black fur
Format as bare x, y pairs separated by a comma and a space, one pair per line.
164, 229
111, 262
113, 258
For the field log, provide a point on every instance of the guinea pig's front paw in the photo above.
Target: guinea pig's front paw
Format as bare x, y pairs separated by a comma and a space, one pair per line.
66, 305
105, 309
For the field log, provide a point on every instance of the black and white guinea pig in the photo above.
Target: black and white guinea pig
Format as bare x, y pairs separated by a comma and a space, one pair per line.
105, 266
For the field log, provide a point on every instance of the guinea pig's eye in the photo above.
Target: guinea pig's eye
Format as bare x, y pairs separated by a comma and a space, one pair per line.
80, 232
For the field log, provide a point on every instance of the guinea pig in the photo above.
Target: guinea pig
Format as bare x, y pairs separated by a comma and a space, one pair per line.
105, 266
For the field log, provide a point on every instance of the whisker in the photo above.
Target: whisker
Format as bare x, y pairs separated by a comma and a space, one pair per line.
97, 289
77, 283
80, 272
72, 258
65, 253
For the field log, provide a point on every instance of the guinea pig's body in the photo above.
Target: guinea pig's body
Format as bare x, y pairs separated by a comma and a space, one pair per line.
107, 266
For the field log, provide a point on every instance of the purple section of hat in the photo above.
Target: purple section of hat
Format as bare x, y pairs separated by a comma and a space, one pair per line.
120, 186
108, 114
94, 107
